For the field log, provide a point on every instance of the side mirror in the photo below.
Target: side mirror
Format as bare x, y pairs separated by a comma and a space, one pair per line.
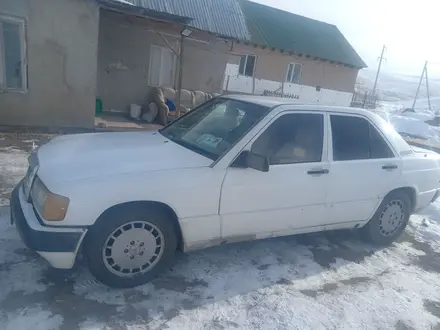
255, 161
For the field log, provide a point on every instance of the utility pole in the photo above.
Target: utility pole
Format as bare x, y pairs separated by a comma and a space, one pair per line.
420, 83
381, 58
427, 86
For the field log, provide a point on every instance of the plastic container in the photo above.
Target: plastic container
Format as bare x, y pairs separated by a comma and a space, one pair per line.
135, 111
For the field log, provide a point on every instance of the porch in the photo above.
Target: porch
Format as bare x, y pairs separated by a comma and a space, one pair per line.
110, 121
139, 58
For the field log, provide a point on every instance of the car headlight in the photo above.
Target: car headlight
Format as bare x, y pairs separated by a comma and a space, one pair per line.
52, 207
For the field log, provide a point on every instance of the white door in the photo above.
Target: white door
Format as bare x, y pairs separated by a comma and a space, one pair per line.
363, 168
291, 195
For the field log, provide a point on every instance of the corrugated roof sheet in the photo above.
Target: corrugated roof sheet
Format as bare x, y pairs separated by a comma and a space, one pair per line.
131, 8
221, 17
273, 27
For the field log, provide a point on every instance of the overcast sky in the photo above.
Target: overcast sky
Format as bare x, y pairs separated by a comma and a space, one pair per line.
409, 28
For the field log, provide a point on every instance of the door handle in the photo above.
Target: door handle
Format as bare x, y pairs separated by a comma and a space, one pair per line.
318, 172
389, 167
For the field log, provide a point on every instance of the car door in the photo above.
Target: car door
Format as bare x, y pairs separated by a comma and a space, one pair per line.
291, 195
363, 168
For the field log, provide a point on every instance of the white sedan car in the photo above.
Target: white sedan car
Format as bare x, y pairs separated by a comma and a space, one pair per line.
236, 168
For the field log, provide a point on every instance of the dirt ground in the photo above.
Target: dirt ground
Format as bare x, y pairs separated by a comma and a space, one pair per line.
317, 281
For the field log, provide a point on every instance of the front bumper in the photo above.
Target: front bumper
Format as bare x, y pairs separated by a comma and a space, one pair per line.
57, 245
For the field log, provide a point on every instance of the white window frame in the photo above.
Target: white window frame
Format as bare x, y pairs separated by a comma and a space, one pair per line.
293, 70
245, 64
3, 83
162, 49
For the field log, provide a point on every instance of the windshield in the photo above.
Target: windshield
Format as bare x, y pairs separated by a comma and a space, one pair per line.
215, 126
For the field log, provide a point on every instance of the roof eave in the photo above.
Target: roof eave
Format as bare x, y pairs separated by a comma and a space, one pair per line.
359, 66
128, 8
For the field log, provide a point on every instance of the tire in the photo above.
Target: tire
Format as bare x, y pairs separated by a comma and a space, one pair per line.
130, 245
386, 226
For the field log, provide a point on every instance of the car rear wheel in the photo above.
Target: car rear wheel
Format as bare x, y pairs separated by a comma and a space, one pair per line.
130, 246
390, 219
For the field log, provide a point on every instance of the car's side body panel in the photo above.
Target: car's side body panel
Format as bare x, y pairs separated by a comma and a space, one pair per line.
421, 172
193, 194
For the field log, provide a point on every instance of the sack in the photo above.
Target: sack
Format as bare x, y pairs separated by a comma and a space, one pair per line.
151, 114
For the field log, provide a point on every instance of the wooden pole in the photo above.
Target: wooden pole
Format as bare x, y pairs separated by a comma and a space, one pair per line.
179, 77
365, 100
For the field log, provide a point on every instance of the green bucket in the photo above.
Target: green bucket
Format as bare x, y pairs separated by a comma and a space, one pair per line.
98, 106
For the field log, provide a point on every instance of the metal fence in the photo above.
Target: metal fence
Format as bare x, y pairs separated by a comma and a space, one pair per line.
280, 94
364, 100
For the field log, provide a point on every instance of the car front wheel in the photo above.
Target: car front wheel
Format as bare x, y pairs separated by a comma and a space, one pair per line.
130, 246
390, 219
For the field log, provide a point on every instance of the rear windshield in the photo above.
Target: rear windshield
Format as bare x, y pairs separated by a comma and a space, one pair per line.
401, 146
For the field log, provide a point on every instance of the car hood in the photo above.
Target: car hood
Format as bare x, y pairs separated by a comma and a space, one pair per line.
82, 156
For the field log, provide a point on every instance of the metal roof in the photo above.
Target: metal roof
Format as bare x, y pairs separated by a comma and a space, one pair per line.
128, 7
273, 27
221, 17
248, 21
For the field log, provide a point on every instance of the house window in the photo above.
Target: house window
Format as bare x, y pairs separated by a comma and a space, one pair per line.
293, 73
12, 54
247, 65
162, 67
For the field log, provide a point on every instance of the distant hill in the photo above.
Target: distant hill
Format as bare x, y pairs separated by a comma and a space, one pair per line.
396, 87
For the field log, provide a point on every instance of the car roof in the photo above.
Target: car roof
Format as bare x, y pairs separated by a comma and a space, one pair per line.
267, 101
277, 104
273, 102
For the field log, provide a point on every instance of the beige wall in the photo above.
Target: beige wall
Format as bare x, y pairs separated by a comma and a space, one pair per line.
124, 59
61, 53
272, 65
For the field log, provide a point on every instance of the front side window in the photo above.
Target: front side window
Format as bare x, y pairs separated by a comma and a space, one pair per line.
354, 138
215, 126
293, 73
162, 67
247, 65
292, 139
12, 54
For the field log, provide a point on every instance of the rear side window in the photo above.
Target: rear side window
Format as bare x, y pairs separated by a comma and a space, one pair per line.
354, 138
379, 147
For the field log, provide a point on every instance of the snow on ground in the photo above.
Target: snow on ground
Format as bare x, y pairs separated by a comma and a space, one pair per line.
318, 281
414, 123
